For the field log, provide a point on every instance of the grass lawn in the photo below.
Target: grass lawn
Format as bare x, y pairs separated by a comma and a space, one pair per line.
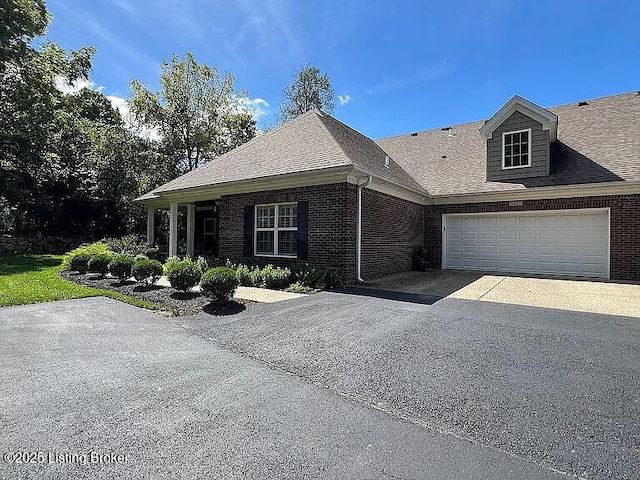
34, 278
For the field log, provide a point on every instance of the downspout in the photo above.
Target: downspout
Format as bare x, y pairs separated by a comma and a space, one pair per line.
359, 230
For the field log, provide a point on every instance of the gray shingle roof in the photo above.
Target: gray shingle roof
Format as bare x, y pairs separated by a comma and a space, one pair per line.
597, 142
312, 141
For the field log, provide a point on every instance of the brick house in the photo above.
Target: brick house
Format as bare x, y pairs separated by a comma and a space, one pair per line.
531, 190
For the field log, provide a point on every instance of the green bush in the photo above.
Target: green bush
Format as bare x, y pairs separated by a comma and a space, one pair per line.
298, 288
183, 274
99, 263
332, 278
147, 270
219, 283
276, 278
85, 250
256, 277
140, 256
120, 266
420, 259
78, 262
152, 253
202, 264
311, 277
244, 275
127, 245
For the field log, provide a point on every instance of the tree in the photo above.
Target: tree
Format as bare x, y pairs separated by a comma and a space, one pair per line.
310, 89
197, 113
22, 21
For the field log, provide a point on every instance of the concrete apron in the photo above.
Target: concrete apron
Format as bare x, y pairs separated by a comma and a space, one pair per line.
582, 296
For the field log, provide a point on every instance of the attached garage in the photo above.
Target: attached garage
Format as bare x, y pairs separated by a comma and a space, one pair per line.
560, 242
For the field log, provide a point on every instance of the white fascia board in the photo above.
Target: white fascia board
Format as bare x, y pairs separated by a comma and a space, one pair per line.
277, 182
548, 120
390, 187
541, 193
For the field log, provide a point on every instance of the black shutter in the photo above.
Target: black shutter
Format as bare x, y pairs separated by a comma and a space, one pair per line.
303, 230
248, 230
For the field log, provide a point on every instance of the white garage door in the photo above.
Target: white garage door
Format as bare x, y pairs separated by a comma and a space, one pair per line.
567, 242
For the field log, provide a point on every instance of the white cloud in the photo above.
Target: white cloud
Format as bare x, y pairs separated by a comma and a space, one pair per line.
122, 105
344, 99
255, 106
70, 88
420, 75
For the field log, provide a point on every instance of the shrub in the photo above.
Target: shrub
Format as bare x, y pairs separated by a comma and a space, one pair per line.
244, 275
99, 263
311, 277
78, 262
298, 288
183, 274
127, 245
219, 283
147, 270
276, 278
202, 264
120, 266
332, 278
85, 250
420, 259
256, 277
152, 253
140, 256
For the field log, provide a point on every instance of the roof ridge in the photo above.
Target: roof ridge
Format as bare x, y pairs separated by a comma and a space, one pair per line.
330, 136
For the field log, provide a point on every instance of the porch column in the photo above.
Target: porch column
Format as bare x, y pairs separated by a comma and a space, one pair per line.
173, 229
191, 227
151, 226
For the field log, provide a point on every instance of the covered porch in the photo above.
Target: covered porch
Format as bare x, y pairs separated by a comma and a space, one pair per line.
193, 229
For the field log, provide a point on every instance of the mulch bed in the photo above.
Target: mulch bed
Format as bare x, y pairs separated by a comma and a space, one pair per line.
178, 302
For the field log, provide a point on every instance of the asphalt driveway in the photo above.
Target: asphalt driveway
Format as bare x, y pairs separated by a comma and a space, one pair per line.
328, 386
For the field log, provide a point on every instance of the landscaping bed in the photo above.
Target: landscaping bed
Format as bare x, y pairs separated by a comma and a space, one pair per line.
174, 301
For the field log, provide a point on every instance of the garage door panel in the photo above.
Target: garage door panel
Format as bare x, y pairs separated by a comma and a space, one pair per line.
556, 242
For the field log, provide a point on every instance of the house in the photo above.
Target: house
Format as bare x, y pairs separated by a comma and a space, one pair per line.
531, 190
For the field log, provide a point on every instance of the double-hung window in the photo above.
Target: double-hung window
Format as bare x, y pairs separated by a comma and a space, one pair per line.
276, 230
516, 149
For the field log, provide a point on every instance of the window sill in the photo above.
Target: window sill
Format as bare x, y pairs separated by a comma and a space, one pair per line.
266, 255
513, 168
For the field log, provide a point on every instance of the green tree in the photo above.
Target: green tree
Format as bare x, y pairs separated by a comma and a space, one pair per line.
197, 113
310, 89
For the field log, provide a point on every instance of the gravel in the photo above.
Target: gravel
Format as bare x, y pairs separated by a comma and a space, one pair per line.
179, 303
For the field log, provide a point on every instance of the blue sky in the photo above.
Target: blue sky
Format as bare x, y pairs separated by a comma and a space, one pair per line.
404, 65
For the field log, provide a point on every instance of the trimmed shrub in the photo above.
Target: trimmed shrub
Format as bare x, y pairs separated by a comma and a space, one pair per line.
244, 275
276, 278
202, 264
147, 270
79, 262
152, 253
298, 288
140, 256
127, 245
183, 274
420, 259
311, 277
219, 283
99, 263
85, 250
120, 266
332, 278
256, 277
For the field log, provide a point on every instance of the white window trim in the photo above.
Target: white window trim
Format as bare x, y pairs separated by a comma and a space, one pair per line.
275, 230
504, 134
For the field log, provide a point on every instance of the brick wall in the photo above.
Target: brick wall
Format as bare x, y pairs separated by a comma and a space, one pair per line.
625, 226
332, 210
391, 229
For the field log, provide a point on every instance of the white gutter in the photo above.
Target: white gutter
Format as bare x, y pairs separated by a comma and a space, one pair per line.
359, 230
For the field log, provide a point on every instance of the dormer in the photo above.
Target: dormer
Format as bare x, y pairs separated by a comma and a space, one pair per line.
519, 138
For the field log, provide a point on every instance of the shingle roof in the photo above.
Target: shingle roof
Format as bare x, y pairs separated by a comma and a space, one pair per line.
597, 142
312, 141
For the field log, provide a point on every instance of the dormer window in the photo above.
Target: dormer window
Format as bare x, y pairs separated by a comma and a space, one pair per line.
516, 149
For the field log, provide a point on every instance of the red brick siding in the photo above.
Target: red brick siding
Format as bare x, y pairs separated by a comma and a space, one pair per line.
625, 226
331, 224
391, 229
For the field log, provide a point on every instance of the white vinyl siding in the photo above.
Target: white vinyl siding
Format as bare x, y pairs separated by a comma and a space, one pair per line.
566, 243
